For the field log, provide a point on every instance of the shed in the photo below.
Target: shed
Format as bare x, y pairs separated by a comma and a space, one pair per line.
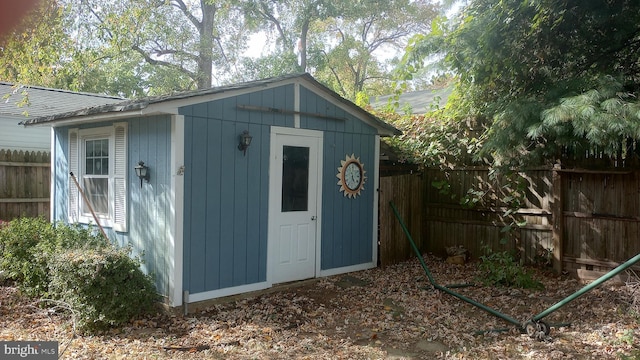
216, 218
21, 102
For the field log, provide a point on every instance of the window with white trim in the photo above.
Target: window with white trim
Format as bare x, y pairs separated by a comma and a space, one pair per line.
98, 160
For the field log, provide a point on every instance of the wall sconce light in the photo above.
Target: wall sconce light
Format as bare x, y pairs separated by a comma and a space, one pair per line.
245, 141
142, 171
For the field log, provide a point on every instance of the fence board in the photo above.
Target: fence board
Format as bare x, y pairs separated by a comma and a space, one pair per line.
406, 191
446, 222
593, 217
601, 217
24, 184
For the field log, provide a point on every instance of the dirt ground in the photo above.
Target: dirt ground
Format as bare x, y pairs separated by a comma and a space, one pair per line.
389, 313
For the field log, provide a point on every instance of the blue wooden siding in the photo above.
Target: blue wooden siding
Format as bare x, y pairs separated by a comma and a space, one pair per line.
149, 207
343, 122
347, 223
226, 192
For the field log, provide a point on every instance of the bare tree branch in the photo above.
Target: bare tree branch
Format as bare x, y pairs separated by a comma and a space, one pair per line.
93, 12
269, 17
153, 61
183, 7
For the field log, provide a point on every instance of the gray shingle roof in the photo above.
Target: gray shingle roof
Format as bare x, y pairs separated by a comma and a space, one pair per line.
131, 105
45, 102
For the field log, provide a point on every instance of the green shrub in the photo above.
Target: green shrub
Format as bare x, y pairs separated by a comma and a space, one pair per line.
26, 244
501, 269
19, 250
104, 286
73, 237
76, 265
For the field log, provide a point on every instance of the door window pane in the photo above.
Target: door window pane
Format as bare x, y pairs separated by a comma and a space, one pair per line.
295, 178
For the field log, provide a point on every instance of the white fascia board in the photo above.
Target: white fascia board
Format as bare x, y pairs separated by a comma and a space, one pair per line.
96, 118
166, 107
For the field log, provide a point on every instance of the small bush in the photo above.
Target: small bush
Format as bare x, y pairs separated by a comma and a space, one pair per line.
26, 244
76, 265
18, 247
105, 286
500, 269
73, 237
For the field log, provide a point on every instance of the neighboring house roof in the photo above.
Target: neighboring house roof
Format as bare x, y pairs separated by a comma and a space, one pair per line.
419, 102
44, 101
19, 103
163, 104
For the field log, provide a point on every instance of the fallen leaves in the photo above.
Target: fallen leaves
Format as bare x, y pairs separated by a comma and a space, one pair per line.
373, 314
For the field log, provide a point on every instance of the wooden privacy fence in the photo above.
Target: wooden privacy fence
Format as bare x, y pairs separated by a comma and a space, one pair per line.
407, 192
600, 217
442, 216
24, 184
577, 219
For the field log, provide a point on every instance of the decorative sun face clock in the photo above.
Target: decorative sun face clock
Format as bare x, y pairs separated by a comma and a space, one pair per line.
351, 176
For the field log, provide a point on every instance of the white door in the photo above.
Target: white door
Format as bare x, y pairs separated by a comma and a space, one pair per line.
294, 193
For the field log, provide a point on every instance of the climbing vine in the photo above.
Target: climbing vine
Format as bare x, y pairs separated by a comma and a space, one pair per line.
442, 140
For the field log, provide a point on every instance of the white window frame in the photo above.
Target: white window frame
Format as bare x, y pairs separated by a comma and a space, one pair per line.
117, 177
85, 135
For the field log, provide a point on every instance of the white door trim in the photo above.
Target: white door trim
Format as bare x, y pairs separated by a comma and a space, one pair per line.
274, 200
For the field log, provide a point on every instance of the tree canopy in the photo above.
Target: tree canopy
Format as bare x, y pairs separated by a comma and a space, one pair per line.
32, 52
185, 44
545, 74
135, 48
345, 45
349, 54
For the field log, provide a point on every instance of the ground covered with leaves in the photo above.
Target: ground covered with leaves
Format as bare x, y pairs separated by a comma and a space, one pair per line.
390, 313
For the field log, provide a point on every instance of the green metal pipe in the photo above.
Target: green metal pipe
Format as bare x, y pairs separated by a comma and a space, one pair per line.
413, 244
455, 286
481, 306
442, 288
481, 332
588, 288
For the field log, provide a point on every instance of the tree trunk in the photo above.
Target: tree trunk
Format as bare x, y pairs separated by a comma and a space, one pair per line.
303, 45
205, 56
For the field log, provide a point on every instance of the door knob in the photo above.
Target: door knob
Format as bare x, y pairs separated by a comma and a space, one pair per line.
313, 217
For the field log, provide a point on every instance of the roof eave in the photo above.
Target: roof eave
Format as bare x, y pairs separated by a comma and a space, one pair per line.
89, 115
170, 105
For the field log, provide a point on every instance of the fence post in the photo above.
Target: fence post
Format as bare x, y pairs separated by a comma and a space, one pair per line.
558, 219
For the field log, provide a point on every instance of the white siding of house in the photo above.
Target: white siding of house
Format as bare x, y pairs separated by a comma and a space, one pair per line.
18, 137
